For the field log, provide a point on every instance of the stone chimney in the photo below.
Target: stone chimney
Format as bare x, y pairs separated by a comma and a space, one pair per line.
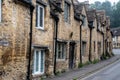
86, 3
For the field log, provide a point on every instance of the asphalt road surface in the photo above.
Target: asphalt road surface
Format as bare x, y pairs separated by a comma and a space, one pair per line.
111, 72
116, 51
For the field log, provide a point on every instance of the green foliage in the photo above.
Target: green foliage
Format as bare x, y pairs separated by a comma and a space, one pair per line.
103, 57
87, 63
41, 78
95, 61
80, 65
75, 79
63, 70
111, 10
58, 72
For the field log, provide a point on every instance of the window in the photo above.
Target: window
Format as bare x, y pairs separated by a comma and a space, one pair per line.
0, 10
61, 50
39, 62
67, 12
83, 48
84, 21
40, 17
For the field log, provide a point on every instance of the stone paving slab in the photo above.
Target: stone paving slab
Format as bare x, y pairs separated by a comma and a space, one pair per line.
86, 70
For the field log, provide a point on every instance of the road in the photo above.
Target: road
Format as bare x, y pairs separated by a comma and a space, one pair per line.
116, 51
111, 72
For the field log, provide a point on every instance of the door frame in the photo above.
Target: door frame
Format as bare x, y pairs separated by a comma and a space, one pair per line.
71, 54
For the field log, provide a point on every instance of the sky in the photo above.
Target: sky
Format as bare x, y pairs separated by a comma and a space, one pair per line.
92, 1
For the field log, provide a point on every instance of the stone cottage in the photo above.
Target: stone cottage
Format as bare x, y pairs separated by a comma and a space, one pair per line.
14, 39
45, 37
116, 37
92, 19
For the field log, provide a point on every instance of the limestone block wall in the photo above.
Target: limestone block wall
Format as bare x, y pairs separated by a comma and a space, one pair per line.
65, 29
44, 37
14, 29
94, 41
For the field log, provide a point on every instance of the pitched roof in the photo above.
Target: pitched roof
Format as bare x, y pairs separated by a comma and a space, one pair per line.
101, 15
116, 31
78, 8
91, 15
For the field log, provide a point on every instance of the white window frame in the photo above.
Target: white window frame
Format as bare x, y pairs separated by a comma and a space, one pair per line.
61, 50
39, 62
0, 10
38, 17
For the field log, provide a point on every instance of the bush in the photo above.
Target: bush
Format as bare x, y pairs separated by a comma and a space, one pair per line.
87, 63
95, 61
42, 78
63, 70
57, 72
80, 65
103, 57
75, 79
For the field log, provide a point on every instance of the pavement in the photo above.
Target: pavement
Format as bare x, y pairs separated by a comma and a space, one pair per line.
78, 74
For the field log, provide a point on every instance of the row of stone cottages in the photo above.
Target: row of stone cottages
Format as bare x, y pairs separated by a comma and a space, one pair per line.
41, 37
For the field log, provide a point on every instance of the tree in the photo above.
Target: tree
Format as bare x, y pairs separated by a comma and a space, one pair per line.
96, 5
116, 15
111, 10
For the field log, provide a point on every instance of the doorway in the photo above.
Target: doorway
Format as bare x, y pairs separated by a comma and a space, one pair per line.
71, 54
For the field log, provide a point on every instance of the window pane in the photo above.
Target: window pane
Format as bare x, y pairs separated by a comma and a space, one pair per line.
63, 51
41, 17
42, 61
59, 53
66, 12
37, 61
37, 16
83, 48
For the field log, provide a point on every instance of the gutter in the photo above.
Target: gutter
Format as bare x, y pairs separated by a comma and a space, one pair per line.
81, 41
55, 16
90, 42
31, 6
56, 36
90, 45
77, 17
30, 44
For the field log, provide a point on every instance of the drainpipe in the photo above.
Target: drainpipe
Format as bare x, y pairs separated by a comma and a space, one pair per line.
90, 42
30, 43
103, 45
81, 42
56, 36
90, 45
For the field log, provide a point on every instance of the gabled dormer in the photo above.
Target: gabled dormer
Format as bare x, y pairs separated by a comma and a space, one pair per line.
80, 13
92, 20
